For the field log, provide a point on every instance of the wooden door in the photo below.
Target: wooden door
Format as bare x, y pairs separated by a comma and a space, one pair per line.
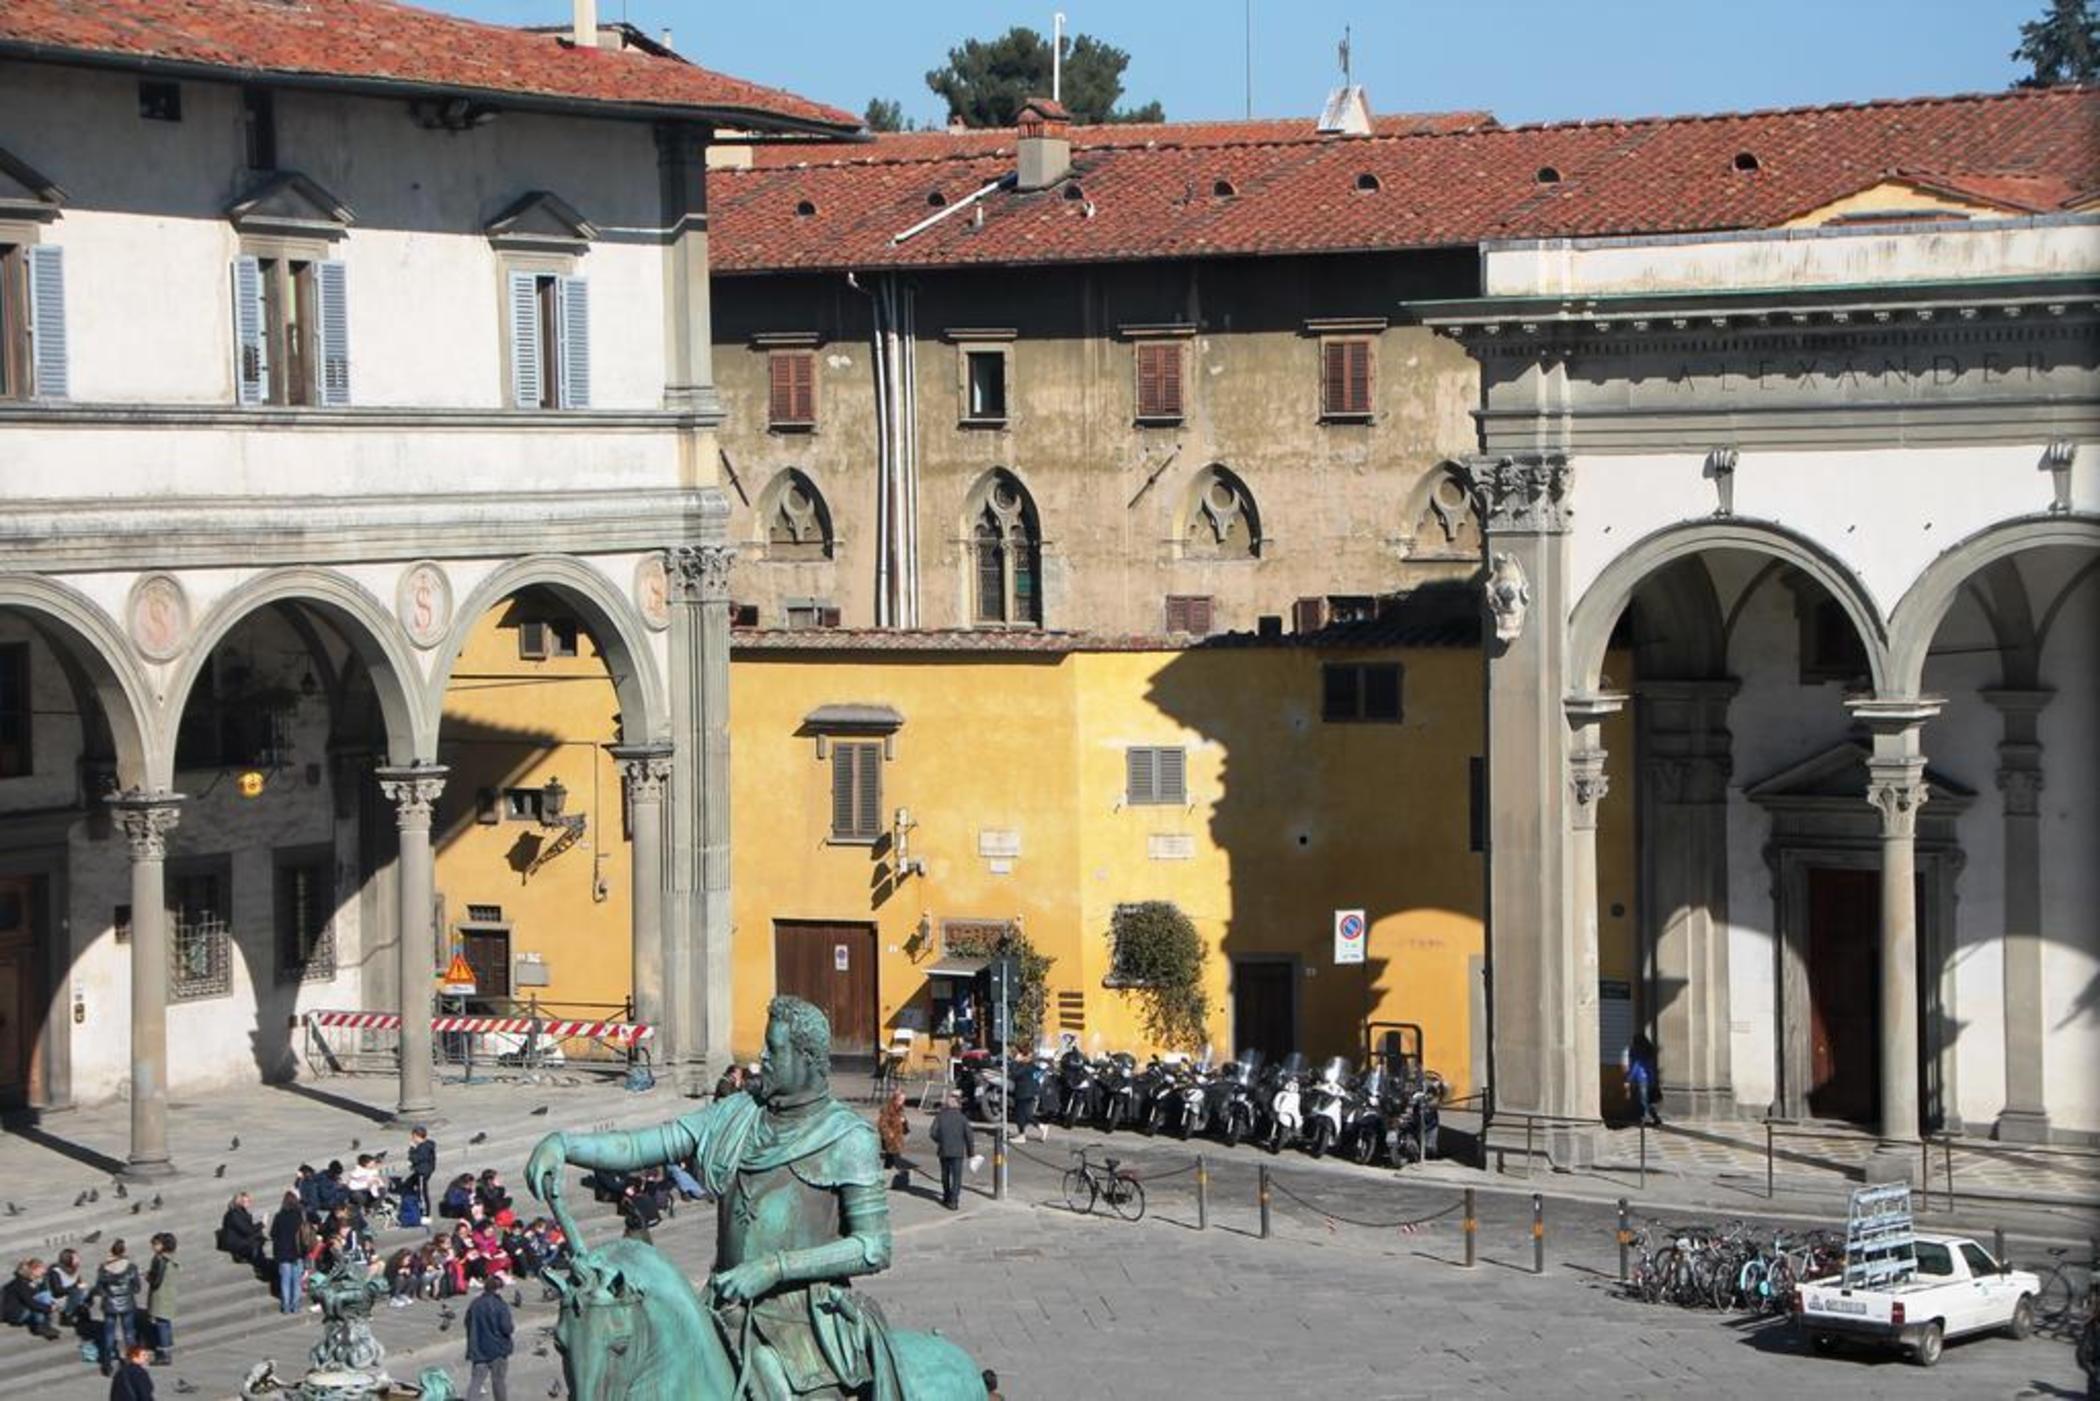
19, 1021
832, 966
1264, 1007
1844, 994
488, 953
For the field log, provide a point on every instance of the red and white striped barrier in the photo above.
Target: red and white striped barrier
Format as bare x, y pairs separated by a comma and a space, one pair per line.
560, 1028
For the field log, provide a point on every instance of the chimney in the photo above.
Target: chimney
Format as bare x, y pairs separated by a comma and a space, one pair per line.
1045, 152
1347, 112
585, 34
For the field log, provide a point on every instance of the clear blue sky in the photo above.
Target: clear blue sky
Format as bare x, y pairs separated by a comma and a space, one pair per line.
1526, 60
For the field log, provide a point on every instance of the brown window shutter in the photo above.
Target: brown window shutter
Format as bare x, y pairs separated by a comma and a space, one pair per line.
842, 790
868, 783
1199, 609
802, 386
827, 616
1334, 377
1308, 614
1170, 381
780, 408
1148, 390
1177, 614
1359, 394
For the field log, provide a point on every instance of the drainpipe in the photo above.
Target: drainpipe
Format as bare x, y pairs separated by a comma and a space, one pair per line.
882, 452
908, 435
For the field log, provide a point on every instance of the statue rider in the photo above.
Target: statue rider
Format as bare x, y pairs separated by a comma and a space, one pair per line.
802, 1209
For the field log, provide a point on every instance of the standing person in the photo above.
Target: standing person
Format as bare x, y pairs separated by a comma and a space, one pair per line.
1641, 1078
130, 1381
891, 1126
1028, 1090
288, 1251
163, 1293
116, 1289
488, 1340
954, 1142
422, 1164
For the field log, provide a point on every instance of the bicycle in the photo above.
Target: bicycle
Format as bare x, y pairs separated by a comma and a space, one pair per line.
1088, 1184
2065, 1286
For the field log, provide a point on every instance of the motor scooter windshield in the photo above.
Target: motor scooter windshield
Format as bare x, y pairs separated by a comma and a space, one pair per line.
1335, 1071
1294, 1064
1372, 1085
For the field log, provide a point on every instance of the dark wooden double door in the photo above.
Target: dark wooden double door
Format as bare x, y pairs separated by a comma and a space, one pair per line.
1265, 1007
21, 986
833, 967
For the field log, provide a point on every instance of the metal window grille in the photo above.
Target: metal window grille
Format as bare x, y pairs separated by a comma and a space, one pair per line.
306, 928
200, 949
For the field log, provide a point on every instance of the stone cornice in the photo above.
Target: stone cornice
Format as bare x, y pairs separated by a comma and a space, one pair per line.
176, 416
63, 534
1519, 493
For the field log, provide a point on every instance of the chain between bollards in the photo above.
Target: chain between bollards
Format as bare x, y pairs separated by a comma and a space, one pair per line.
1625, 1241
1262, 1186
1202, 1194
1538, 1233
1472, 1228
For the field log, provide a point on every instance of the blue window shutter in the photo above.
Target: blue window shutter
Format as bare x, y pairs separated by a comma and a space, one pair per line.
524, 340
332, 335
47, 320
251, 360
573, 295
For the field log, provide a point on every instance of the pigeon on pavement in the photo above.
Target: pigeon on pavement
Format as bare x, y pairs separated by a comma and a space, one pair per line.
183, 1387
80, 1200
356, 1143
156, 1201
219, 1171
13, 1210
136, 1208
94, 1194
541, 1111
554, 1388
479, 1138
118, 1188
517, 1298
235, 1147
91, 1237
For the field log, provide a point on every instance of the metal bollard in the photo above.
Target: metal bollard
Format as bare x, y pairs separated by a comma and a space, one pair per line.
1527, 1146
1538, 1234
999, 1172
1202, 1195
1947, 1142
1472, 1229
1262, 1188
1644, 1155
1998, 1244
1625, 1241
1768, 1160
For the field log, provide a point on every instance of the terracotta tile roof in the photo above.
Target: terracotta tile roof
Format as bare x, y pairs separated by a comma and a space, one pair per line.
935, 145
1208, 196
378, 42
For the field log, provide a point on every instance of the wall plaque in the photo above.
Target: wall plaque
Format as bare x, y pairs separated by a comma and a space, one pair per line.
423, 602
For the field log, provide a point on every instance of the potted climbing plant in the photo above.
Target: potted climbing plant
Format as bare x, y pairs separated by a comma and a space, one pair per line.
1159, 957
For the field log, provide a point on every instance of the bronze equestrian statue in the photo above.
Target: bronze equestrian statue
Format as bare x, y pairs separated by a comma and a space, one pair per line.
803, 1209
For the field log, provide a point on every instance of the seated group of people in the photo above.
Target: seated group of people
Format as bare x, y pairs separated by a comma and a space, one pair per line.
478, 1247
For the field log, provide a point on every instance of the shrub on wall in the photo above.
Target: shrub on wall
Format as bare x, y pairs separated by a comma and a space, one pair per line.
1030, 1010
1160, 956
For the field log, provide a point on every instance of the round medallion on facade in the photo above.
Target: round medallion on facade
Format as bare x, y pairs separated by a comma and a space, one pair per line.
652, 592
423, 602
159, 617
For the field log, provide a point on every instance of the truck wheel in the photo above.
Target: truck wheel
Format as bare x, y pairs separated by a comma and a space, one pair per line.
2022, 1325
1926, 1350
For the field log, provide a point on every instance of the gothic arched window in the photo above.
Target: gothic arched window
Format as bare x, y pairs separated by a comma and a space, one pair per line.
1222, 520
797, 522
1005, 552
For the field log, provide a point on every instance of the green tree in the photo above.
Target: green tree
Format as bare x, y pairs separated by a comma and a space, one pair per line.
2063, 46
1159, 956
883, 115
986, 80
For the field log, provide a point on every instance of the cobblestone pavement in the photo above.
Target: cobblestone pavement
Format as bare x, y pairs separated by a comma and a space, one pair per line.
1072, 1307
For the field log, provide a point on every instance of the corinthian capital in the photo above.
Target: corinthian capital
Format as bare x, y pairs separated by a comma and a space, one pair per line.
1588, 783
146, 819
700, 573
1896, 788
1524, 495
2022, 788
646, 768
413, 791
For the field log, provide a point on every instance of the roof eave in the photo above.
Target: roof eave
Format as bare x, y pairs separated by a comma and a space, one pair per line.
605, 109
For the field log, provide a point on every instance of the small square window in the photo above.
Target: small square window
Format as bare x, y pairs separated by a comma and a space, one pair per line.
524, 804
1190, 613
809, 613
984, 385
541, 638
1155, 776
1360, 691
1159, 381
1345, 379
160, 101
1351, 608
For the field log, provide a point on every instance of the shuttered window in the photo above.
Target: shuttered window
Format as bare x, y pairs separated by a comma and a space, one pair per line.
1155, 776
291, 328
43, 370
793, 400
331, 334
1159, 380
1360, 691
250, 343
1190, 613
1345, 378
856, 791
550, 341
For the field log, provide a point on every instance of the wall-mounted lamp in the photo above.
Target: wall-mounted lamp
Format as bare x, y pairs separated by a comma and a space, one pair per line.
553, 798
900, 844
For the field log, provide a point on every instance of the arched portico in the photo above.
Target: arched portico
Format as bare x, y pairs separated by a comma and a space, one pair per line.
1919, 613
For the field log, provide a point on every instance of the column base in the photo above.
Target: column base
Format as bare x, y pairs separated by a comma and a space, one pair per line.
147, 1170
1557, 1147
1699, 1105
1893, 1161
2022, 1126
406, 1118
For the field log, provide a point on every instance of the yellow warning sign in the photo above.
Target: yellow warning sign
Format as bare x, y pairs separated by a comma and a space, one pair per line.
459, 977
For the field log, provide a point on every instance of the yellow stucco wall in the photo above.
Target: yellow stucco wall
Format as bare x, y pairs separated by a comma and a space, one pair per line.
1889, 196
516, 723
1289, 818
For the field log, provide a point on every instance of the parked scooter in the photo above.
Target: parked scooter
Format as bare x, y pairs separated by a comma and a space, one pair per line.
1182, 1106
1078, 1091
981, 1081
1118, 1077
1414, 1135
1327, 1107
1370, 1115
1230, 1099
1286, 1102
1149, 1092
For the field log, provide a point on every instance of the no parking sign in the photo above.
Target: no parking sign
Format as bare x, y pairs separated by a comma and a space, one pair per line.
1349, 936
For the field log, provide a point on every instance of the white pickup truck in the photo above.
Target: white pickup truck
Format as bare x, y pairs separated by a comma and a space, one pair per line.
1958, 1290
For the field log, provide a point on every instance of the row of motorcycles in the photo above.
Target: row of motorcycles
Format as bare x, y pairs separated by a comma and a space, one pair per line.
1386, 1112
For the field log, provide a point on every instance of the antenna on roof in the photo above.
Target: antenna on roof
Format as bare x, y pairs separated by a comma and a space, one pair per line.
1057, 56
1346, 81
1250, 60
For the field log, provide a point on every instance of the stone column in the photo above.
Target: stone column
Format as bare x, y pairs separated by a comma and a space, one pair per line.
1587, 785
698, 1002
647, 772
1535, 963
146, 819
414, 792
1685, 768
689, 378
1896, 788
2025, 1118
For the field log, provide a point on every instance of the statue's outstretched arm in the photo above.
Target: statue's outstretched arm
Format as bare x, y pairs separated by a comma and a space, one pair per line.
620, 1150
